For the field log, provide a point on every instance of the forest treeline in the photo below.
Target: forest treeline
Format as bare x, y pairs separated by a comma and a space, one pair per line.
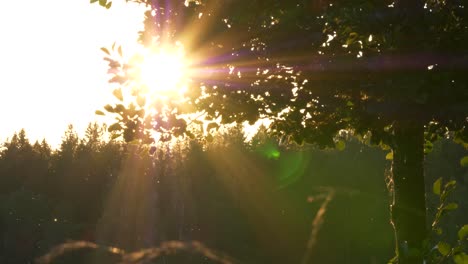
254, 201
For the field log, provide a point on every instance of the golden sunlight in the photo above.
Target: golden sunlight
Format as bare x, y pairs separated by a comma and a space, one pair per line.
163, 71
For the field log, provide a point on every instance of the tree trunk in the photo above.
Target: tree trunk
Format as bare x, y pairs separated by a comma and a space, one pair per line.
408, 208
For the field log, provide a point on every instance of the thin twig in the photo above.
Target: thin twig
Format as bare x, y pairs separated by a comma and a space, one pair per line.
316, 225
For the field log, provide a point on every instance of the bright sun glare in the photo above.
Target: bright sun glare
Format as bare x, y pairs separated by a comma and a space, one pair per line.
163, 71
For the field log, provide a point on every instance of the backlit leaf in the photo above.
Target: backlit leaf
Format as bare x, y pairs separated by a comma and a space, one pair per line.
389, 156
105, 50
109, 108
451, 206
99, 112
461, 258
464, 161
444, 248
118, 94
436, 186
340, 145
114, 127
212, 125
463, 232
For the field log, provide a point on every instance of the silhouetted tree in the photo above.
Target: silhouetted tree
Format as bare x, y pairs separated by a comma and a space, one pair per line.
391, 72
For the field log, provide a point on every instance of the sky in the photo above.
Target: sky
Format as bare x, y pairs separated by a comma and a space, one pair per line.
52, 71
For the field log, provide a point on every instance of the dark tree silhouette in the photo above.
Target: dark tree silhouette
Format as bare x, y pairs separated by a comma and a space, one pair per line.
392, 72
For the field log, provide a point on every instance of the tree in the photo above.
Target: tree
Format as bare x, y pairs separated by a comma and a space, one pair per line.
391, 72
18, 157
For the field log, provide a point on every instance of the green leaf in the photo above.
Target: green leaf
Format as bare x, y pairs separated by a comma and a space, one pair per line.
93, 1
108, 5
464, 161
340, 145
352, 38
448, 188
428, 146
460, 258
463, 232
102, 2
451, 206
439, 231
99, 112
450, 184
444, 248
105, 50
389, 156
118, 94
436, 186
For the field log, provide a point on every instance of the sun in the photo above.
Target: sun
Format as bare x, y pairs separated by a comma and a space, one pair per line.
162, 71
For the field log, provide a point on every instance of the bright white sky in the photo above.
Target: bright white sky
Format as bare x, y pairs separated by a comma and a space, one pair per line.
51, 68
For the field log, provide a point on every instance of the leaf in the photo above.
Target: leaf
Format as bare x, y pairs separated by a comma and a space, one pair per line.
439, 231
464, 161
451, 183
102, 2
428, 146
114, 127
448, 189
118, 94
389, 156
436, 186
463, 232
189, 134
352, 37
120, 108
114, 136
99, 112
120, 51
444, 248
451, 206
340, 145
108, 5
460, 258
93, 1
109, 108
212, 125
105, 50
117, 79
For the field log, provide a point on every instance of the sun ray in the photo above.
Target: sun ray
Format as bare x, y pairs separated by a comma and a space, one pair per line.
161, 71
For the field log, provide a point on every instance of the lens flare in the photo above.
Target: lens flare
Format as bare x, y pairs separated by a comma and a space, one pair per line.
162, 72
